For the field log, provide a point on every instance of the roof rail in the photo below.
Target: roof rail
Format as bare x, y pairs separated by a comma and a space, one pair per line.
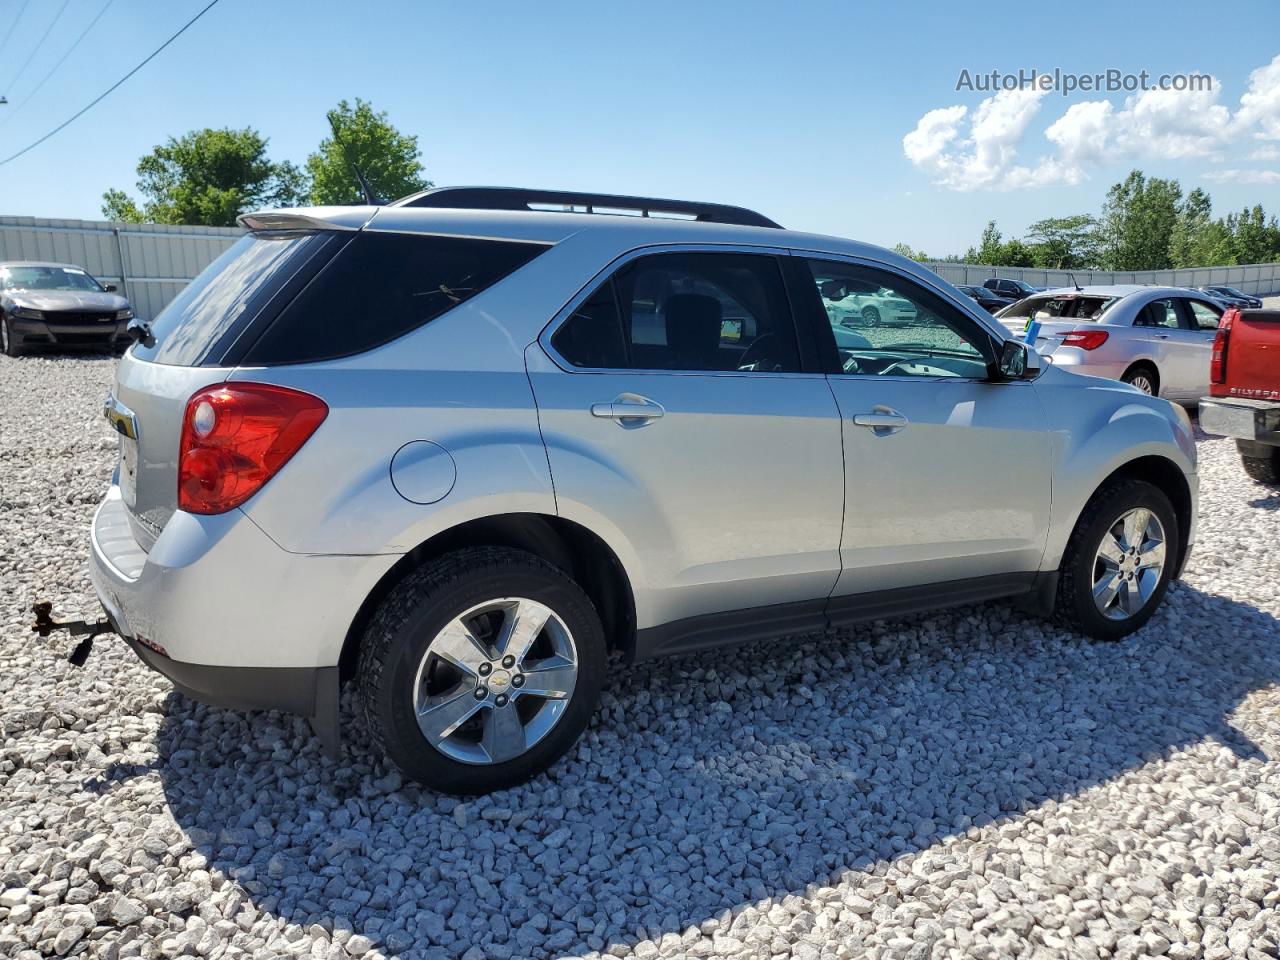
519, 198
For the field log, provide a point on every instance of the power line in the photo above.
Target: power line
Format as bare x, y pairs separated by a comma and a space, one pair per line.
9, 114
102, 96
13, 24
40, 43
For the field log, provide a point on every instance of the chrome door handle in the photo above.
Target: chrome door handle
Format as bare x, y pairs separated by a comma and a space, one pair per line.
628, 408
883, 422
880, 420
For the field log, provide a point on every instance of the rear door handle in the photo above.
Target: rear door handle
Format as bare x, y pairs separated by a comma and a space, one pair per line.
628, 407
883, 421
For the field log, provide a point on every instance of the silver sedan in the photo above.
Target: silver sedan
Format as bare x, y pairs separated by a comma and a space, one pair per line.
1159, 339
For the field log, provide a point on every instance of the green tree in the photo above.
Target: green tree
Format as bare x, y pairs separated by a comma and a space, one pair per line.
1191, 230
990, 248
1137, 222
904, 249
1064, 243
387, 158
1255, 239
207, 177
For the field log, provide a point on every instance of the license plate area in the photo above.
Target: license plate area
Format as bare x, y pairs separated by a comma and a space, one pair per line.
129, 471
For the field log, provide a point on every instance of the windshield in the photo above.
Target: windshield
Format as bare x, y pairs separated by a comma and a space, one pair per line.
1231, 291
47, 278
1068, 306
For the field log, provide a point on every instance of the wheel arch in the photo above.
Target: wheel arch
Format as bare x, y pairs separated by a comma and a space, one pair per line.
1167, 476
567, 545
1147, 363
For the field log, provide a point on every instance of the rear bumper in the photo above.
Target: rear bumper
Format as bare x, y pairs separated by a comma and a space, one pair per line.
217, 592
306, 691
1257, 421
1086, 362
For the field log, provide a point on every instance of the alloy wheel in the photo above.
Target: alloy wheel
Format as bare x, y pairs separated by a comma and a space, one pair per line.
1128, 564
495, 680
1143, 383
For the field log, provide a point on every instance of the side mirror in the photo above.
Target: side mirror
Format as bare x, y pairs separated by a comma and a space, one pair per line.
110, 288
1018, 361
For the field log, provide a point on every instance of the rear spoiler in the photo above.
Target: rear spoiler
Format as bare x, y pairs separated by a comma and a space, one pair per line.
329, 218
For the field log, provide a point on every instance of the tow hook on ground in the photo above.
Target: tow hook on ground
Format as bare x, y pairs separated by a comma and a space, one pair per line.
45, 625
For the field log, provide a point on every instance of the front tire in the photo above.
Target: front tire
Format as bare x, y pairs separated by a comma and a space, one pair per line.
481, 669
1119, 560
871, 316
8, 345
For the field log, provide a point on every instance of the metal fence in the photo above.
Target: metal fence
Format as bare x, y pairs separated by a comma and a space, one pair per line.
149, 262
152, 262
1259, 279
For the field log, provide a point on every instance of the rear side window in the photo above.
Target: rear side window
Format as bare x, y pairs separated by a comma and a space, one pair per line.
380, 287
201, 321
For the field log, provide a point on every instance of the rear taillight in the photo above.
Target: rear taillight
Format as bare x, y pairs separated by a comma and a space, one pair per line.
1218, 362
235, 437
1084, 339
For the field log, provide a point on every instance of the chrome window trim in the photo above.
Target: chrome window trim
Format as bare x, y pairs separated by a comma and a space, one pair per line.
602, 276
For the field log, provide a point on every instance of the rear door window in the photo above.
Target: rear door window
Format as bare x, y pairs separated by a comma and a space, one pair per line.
1159, 313
686, 311
380, 287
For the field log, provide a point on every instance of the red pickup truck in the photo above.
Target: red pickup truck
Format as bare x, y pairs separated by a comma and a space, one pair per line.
1244, 392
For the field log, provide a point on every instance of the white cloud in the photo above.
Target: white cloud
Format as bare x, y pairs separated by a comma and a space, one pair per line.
1260, 104
1243, 176
980, 150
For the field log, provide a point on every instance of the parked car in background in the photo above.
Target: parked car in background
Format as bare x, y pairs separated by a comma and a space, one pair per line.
1232, 297
1244, 400
989, 300
874, 308
1013, 289
467, 500
59, 305
1158, 339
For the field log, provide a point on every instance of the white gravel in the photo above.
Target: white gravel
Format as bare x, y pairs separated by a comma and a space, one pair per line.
970, 784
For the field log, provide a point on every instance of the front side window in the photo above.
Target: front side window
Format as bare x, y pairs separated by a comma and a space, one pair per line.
708, 312
887, 325
1204, 317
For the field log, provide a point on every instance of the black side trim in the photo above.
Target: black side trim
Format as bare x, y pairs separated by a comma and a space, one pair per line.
710, 631
311, 692
896, 603
726, 629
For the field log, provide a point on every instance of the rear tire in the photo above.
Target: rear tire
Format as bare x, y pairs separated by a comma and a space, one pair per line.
403, 676
1265, 469
8, 346
1084, 574
1144, 377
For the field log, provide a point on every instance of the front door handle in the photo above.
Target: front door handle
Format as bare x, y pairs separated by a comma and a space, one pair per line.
628, 407
882, 421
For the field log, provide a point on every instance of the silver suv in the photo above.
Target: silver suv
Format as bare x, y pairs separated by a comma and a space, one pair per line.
463, 448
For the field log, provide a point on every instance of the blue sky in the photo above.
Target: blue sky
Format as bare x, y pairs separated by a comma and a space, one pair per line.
799, 110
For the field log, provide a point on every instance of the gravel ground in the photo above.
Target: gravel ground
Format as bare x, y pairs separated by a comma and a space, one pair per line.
969, 784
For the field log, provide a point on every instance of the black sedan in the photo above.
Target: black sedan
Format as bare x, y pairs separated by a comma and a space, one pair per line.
988, 299
59, 305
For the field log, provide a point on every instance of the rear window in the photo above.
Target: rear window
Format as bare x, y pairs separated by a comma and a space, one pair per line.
1066, 306
379, 287
204, 319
